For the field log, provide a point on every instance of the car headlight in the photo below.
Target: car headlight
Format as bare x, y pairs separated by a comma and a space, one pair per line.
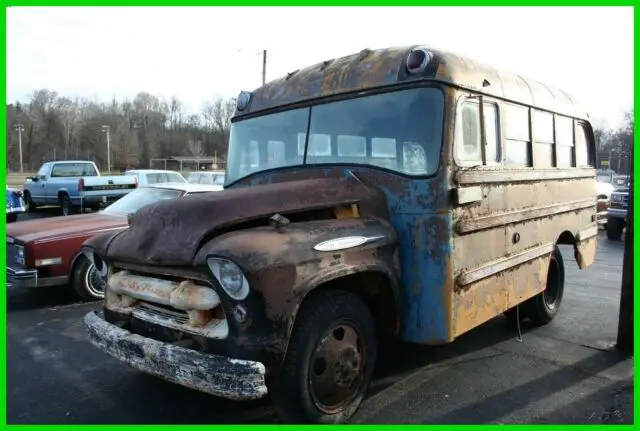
19, 258
230, 277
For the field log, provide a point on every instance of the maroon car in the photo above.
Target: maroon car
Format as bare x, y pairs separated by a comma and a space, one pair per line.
46, 252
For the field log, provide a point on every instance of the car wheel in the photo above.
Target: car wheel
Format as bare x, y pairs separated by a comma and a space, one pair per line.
66, 207
614, 229
28, 203
543, 308
329, 361
86, 281
12, 218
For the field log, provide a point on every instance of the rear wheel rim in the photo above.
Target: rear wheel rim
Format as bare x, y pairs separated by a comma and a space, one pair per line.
551, 294
336, 368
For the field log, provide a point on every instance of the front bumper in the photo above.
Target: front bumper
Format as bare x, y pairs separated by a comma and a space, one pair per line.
29, 278
213, 374
15, 210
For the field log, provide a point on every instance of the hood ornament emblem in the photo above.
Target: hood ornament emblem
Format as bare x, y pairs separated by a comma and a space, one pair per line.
278, 221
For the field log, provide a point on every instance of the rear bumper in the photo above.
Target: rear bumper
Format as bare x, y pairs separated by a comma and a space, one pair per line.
213, 374
618, 213
24, 278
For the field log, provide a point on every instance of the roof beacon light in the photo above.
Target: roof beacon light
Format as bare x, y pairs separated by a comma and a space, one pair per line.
243, 100
418, 60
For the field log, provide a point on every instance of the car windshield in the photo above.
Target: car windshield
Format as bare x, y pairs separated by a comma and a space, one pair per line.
132, 202
400, 131
164, 177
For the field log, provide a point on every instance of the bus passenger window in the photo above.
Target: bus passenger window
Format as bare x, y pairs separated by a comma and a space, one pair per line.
564, 141
543, 135
582, 148
352, 146
491, 132
518, 136
276, 153
468, 133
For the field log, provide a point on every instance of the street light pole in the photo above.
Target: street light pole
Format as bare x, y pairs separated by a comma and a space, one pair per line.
20, 128
106, 129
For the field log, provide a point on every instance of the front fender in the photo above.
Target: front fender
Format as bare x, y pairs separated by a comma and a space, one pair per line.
100, 243
282, 266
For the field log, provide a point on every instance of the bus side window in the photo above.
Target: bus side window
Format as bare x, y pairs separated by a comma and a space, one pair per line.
468, 133
518, 136
468, 145
583, 156
491, 132
564, 142
544, 139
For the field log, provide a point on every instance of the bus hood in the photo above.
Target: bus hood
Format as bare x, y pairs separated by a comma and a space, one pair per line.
170, 233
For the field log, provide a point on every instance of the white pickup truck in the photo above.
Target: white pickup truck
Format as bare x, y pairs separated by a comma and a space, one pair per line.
75, 185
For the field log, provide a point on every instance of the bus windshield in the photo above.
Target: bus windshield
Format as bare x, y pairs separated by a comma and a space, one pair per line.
400, 131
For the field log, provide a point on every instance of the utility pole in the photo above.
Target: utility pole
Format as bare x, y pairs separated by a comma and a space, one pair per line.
624, 340
106, 129
20, 128
264, 66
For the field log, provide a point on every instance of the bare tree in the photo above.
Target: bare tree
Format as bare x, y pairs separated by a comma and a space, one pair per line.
194, 148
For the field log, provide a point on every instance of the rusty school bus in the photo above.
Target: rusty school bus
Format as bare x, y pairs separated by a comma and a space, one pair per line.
401, 192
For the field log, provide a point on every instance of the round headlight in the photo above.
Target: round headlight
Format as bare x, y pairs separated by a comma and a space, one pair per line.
230, 277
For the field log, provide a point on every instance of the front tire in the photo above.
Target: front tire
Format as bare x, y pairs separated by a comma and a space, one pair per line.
86, 281
614, 229
12, 218
28, 203
329, 362
543, 308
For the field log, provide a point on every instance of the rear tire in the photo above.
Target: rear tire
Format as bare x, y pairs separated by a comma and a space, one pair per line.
329, 362
86, 281
12, 218
543, 308
66, 206
614, 229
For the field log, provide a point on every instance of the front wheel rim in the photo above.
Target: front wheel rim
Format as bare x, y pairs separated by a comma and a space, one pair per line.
336, 368
93, 283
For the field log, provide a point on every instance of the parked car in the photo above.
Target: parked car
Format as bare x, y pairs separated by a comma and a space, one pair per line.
603, 194
617, 212
206, 177
156, 176
15, 204
46, 252
74, 185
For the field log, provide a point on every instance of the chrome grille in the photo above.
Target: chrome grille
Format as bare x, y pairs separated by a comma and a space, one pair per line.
12, 252
180, 317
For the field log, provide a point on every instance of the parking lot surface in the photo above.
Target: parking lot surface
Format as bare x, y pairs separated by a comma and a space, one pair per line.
565, 372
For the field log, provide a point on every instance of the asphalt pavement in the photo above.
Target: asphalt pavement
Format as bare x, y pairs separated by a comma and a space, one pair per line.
566, 372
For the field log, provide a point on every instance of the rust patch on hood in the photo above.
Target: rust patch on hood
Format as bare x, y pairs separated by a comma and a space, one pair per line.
170, 233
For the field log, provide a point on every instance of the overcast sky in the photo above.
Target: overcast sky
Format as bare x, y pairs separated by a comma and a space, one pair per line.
199, 53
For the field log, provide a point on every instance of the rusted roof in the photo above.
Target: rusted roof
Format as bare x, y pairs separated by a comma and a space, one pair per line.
383, 67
